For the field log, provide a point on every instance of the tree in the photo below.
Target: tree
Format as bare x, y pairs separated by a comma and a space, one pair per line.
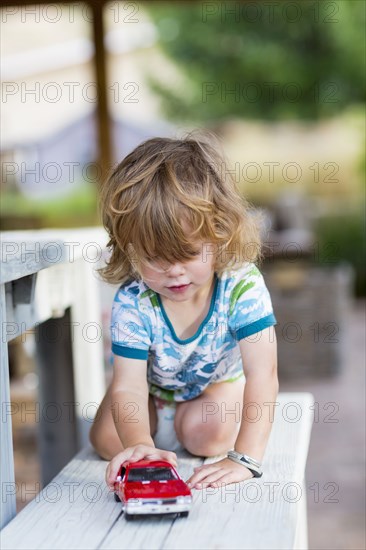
268, 60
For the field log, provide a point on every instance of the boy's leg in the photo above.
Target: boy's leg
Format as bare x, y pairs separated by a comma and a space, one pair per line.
165, 436
209, 424
103, 434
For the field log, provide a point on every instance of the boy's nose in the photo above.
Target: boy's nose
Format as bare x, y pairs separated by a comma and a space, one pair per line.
176, 269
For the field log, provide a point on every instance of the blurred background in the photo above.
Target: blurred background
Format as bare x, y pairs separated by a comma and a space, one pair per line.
282, 86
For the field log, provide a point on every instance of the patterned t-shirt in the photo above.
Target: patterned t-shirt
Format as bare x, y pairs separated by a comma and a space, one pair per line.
181, 369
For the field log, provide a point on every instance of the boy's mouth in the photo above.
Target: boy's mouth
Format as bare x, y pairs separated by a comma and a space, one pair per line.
179, 288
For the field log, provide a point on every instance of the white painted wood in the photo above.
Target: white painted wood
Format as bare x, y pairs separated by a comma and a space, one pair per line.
264, 513
7, 468
22, 255
87, 344
259, 513
53, 293
63, 514
53, 256
26, 252
63, 261
301, 535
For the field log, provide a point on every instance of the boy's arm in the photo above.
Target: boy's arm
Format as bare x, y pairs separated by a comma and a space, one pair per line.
261, 388
130, 410
129, 395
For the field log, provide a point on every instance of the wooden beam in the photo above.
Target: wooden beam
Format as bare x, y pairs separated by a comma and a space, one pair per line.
58, 432
103, 121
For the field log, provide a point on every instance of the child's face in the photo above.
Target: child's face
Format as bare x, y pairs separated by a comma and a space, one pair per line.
196, 274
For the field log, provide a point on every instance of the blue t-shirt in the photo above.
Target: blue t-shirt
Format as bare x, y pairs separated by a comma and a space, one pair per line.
181, 369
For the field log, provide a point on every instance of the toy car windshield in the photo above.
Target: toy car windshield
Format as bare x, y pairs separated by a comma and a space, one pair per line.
150, 474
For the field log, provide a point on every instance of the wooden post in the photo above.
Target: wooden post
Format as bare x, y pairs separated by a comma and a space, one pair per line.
58, 428
105, 157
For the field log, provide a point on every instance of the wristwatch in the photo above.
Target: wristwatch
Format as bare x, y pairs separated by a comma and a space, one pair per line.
253, 465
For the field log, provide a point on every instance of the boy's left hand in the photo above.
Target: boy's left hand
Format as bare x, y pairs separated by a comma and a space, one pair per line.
219, 473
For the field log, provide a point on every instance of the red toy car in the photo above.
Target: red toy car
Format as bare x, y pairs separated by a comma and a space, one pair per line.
151, 487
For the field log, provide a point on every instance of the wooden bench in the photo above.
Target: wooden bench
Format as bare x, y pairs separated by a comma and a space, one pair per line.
76, 509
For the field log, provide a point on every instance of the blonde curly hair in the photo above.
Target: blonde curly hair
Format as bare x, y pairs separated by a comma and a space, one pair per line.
164, 183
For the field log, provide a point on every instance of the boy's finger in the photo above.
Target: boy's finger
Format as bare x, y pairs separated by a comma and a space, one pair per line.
108, 474
198, 477
113, 467
171, 457
111, 477
134, 456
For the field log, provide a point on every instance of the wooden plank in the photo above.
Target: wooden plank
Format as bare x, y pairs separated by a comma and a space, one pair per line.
7, 459
27, 252
301, 535
76, 510
22, 255
261, 513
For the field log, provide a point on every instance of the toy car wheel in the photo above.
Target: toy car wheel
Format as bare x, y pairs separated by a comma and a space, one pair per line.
184, 514
116, 498
129, 517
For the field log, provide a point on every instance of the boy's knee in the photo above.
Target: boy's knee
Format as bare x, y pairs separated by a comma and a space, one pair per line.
205, 447
95, 440
206, 438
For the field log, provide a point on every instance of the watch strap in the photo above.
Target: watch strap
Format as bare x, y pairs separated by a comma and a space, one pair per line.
246, 461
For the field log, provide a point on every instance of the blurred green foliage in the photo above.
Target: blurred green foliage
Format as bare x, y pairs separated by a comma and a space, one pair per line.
75, 209
342, 238
283, 60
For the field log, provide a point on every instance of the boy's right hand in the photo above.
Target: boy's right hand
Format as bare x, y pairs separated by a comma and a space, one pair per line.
133, 454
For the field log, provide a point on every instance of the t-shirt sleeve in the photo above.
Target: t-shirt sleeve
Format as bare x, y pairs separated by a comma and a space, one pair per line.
250, 305
130, 332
